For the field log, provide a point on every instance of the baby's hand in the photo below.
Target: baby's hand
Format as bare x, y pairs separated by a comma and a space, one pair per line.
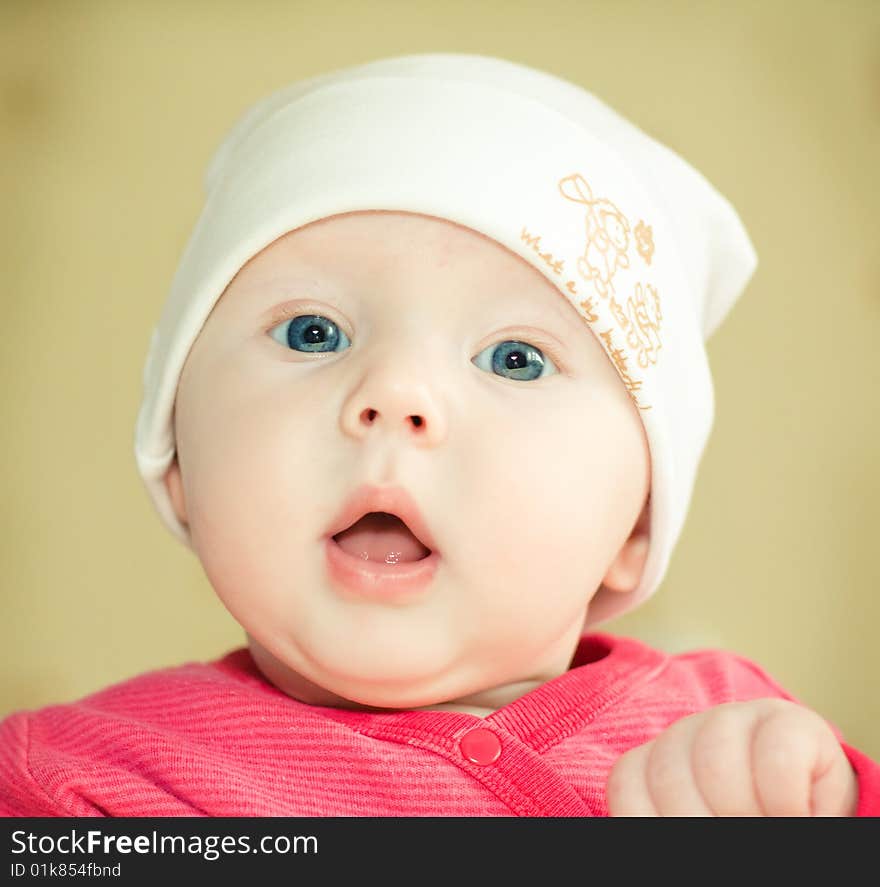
767, 757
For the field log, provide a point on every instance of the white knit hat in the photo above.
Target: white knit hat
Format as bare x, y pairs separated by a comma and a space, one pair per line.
638, 241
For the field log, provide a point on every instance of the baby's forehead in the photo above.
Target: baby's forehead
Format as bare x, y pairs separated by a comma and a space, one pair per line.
388, 235
425, 254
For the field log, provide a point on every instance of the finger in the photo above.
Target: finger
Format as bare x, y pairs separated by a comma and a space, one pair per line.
835, 790
783, 755
626, 791
670, 773
722, 761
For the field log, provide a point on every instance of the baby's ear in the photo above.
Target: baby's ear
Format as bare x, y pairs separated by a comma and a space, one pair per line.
627, 568
174, 485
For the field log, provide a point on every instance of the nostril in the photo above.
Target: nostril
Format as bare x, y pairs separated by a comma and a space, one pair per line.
370, 414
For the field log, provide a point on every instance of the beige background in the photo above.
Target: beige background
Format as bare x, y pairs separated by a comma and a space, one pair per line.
108, 114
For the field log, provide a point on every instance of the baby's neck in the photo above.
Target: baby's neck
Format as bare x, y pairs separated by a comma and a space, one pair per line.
484, 704
455, 706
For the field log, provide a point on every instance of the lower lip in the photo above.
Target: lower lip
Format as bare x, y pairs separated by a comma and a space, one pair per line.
378, 580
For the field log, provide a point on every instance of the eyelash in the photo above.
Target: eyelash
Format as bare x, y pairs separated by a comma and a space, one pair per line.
533, 338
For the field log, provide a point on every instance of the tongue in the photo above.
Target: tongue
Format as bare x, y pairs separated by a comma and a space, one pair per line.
381, 537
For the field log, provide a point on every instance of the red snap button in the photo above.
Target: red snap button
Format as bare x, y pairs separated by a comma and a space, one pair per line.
481, 746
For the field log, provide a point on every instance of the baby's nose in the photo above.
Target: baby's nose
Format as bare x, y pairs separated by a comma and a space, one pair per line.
369, 415
395, 405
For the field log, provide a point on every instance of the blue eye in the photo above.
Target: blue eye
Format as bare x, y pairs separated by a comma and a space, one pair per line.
523, 362
310, 332
511, 359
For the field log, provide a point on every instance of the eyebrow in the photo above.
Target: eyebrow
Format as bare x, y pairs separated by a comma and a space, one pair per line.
571, 320
263, 282
568, 318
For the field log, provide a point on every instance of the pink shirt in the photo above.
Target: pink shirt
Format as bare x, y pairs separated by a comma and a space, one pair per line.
217, 739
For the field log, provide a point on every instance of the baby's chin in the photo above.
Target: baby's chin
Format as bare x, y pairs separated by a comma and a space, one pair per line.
362, 696
386, 692
381, 700
384, 685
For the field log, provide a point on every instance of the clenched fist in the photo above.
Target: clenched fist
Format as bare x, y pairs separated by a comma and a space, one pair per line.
767, 757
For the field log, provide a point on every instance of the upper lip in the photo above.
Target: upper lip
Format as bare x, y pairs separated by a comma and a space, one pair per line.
392, 500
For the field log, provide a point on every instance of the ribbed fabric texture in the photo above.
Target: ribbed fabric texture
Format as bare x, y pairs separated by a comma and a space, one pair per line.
217, 739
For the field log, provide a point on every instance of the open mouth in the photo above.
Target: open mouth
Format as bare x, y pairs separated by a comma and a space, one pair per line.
382, 537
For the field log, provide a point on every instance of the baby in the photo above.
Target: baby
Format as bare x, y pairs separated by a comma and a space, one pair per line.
427, 400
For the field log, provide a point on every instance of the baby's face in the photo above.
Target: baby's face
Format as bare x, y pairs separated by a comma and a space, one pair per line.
529, 465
